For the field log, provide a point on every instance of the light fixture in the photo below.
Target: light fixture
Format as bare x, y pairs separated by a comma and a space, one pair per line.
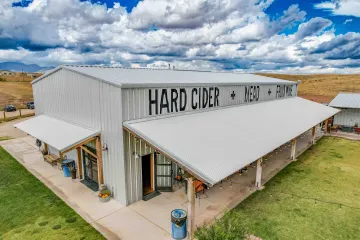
104, 147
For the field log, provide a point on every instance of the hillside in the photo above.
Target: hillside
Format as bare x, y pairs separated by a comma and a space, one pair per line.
322, 87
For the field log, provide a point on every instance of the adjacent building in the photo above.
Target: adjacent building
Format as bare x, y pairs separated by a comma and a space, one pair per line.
349, 104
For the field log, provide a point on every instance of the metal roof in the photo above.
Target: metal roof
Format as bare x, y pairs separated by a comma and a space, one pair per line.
57, 133
145, 77
346, 100
215, 144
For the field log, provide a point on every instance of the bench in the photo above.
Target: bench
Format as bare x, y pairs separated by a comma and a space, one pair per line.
51, 159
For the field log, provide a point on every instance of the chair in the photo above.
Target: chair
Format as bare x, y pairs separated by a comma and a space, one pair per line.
200, 187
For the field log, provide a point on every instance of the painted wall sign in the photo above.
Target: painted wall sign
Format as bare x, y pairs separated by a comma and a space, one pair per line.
252, 93
284, 91
148, 102
161, 102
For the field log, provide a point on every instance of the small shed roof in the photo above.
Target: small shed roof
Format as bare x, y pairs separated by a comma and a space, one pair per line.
346, 100
57, 133
145, 77
215, 144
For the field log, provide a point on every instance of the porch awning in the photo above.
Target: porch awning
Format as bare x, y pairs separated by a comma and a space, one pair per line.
57, 133
213, 145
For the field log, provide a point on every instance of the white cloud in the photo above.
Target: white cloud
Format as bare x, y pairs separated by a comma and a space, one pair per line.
190, 34
348, 21
341, 7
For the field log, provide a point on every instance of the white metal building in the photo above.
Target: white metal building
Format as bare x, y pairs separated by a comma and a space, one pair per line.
349, 104
133, 129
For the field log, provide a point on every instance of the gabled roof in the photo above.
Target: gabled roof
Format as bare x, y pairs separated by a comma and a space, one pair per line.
213, 145
145, 77
346, 100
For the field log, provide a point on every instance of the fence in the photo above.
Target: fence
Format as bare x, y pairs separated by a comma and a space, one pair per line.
20, 113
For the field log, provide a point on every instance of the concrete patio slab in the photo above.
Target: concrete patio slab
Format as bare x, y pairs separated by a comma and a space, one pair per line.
128, 224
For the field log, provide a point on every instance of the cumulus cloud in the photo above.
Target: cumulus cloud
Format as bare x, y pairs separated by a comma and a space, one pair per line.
341, 7
313, 27
234, 35
341, 47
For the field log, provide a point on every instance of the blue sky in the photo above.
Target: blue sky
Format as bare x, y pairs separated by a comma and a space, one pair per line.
293, 36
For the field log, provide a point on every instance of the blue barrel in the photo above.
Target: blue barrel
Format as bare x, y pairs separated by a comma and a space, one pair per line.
65, 166
178, 224
66, 171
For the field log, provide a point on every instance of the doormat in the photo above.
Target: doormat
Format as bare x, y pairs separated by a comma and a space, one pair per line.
151, 195
93, 186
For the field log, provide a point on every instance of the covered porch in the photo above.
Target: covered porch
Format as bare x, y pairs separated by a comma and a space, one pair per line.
59, 141
221, 196
227, 148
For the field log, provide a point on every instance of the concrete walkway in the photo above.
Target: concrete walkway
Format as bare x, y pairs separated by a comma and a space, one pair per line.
112, 219
116, 221
346, 135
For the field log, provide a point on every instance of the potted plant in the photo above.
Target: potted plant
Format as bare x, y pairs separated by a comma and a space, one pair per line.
104, 195
356, 128
72, 170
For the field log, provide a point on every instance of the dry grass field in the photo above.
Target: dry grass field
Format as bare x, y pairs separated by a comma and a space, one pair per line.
317, 87
322, 87
15, 90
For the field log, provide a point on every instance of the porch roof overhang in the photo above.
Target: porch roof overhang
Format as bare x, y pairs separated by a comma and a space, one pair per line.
55, 132
213, 145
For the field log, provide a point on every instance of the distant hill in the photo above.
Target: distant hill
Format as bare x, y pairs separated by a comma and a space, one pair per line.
19, 67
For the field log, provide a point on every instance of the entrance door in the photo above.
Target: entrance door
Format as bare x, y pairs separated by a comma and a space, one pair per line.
164, 173
90, 167
147, 174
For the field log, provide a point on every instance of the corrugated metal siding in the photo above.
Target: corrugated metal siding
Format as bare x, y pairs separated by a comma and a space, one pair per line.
91, 103
132, 146
136, 100
347, 117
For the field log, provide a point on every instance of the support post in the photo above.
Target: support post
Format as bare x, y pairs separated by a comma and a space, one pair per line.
326, 126
191, 208
258, 174
78, 150
99, 161
293, 149
313, 135
46, 148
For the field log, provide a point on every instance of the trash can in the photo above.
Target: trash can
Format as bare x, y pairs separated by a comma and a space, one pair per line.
65, 166
178, 224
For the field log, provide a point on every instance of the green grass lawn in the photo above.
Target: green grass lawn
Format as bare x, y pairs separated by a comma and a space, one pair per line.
330, 172
29, 210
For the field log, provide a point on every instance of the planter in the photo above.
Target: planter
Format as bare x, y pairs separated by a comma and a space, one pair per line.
104, 200
73, 174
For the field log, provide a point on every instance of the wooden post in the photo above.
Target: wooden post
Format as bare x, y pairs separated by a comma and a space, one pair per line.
293, 149
99, 161
20, 112
191, 208
4, 116
46, 148
61, 155
326, 126
258, 174
79, 162
313, 135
